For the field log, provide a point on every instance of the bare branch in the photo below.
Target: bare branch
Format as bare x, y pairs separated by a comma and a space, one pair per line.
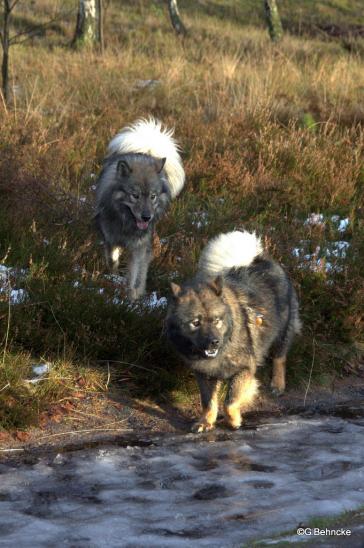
8, 6
29, 33
12, 6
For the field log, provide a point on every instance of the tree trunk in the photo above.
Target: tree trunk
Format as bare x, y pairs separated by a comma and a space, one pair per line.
87, 32
100, 21
175, 18
5, 76
273, 19
5, 42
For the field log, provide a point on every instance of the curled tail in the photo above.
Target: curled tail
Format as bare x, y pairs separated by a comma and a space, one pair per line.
230, 250
146, 136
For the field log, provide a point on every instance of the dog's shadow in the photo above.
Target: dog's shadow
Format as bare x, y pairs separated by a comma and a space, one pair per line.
157, 417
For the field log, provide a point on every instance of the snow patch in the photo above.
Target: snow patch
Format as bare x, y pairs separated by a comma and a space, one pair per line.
39, 370
18, 296
142, 84
200, 219
314, 219
10, 278
319, 219
328, 258
153, 301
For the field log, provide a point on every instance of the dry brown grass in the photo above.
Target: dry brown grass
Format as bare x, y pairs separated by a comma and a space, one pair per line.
269, 133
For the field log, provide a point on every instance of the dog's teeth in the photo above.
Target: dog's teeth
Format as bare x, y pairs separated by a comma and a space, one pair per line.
211, 353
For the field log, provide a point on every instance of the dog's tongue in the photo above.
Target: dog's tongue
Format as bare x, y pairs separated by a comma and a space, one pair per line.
142, 225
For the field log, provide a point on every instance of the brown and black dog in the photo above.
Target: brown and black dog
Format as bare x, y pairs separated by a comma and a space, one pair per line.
239, 309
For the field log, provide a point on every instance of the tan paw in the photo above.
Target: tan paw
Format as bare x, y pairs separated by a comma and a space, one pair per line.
233, 424
233, 417
277, 388
202, 426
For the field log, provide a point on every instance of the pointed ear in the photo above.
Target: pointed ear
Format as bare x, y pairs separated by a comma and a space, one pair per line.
159, 164
123, 168
216, 285
176, 289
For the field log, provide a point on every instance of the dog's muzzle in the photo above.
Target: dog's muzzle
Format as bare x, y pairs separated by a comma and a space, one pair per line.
142, 225
212, 349
211, 353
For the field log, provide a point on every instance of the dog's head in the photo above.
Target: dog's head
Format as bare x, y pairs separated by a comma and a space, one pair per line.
142, 188
199, 320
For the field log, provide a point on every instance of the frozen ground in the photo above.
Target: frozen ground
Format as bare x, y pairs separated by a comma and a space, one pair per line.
218, 490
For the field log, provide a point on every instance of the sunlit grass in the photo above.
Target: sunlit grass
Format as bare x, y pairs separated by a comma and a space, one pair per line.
270, 134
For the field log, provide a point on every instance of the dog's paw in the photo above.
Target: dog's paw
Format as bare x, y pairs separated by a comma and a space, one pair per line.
135, 293
132, 295
276, 390
202, 426
233, 425
233, 417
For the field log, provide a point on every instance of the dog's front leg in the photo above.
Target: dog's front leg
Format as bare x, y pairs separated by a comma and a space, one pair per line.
133, 267
113, 254
278, 383
243, 388
144, 262
209, 390
138, 270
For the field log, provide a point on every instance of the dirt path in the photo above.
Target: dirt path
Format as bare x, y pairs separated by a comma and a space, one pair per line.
113, 417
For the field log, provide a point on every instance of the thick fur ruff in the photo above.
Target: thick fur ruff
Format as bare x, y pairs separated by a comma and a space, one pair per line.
231, 250
238, 310
148, 137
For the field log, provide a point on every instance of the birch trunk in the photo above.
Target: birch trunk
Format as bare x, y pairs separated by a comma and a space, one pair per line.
87, 26
176, 18
273, 19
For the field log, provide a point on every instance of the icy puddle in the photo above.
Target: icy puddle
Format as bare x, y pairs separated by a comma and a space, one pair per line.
223, 490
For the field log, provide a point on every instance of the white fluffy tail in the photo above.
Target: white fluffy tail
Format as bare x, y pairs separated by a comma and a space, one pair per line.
148, 137
228, 251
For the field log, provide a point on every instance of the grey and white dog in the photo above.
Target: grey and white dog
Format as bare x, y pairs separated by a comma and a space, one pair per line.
141, 175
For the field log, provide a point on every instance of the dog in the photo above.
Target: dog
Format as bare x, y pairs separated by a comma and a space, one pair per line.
239, 309
142, 173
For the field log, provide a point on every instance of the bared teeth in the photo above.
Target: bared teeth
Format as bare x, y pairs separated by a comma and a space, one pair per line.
211, 353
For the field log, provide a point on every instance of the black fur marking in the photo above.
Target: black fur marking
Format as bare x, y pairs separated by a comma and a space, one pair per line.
245, 322
279, 349
182, 344
245, 318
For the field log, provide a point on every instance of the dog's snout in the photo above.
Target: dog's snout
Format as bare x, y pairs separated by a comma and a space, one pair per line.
214, 343
146, 217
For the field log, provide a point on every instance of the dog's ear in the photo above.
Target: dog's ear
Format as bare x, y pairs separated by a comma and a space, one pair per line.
176, 290
159, 164
165, 188
123, 168
216, 285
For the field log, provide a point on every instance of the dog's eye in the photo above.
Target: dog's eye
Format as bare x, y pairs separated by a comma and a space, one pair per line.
135, 196
153, 197
218, 322
195, 323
